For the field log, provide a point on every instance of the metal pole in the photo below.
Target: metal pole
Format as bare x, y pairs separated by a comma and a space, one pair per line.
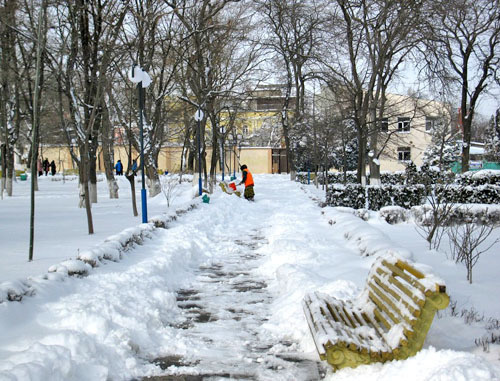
222, 157
143, 190
234, 153
199, 154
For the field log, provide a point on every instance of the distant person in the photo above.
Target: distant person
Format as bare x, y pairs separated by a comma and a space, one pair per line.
247, 179
53, 168
39, 167
119, 168
46, 166
134, 167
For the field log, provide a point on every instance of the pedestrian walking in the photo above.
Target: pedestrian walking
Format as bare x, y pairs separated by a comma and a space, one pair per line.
134, 167
119, 168
46, 166
247, 179
39, 166
52, 168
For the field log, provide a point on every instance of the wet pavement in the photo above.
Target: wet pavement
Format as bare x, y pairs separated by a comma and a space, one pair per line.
223, 316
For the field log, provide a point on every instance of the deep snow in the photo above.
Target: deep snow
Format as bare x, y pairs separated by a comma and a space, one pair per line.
217, 293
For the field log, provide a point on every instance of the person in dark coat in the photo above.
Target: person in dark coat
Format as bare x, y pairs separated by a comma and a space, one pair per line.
53, 168
134, 167
46, 166
119, 168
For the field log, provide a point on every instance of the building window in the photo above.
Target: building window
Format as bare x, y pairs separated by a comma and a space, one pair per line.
245, 130
384, 124
431, 123
404, 154
404, 124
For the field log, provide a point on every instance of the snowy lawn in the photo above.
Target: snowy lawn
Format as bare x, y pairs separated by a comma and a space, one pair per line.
113, 323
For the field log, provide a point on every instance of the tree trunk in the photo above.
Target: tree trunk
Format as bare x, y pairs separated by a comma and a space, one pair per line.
84, 187
152, 181
107, 149
131, 179
466, 143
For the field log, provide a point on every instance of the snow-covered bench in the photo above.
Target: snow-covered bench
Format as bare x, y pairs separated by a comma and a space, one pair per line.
389, 320
228, 190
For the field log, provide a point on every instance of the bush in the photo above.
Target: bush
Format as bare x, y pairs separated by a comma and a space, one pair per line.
394, 214
378, 197
355, 196
484, 194
408, 196
477, 178
351, 195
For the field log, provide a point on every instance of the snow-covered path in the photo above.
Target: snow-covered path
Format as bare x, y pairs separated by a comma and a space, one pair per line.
193, 293
224, 309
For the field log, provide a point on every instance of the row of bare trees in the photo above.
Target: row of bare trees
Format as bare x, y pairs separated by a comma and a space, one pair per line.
211, 54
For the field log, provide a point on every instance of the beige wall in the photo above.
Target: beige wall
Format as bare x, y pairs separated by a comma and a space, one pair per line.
60, 155
417, 139
258, 160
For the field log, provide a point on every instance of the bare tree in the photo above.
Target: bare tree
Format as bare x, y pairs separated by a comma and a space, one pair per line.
217, 59
294, 28
463, 49
466, 241
370, 41
88, 34
436, 216
9, 93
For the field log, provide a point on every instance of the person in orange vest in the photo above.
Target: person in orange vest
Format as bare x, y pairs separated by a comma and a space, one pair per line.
247, 179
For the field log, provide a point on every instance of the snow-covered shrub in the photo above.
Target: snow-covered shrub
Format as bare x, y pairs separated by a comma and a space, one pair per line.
354, 196
467, 213
482, 177
378, 196
364, 214
484, 194
408, 196
392, 178
351, 195
394, 214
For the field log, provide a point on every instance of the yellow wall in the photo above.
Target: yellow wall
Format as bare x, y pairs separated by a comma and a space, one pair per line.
258, 160
60, 155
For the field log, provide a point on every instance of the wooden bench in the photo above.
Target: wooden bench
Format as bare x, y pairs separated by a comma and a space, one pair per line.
228, 190
388, 321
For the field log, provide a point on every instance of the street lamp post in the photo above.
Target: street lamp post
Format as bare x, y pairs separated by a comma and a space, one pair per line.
235, 142
198, 116
222, 152
143, 80
303, 143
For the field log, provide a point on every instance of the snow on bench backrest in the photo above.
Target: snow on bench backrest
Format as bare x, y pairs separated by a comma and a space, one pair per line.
397, 292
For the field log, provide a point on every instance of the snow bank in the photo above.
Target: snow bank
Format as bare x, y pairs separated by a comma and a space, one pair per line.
112, 249
368, 240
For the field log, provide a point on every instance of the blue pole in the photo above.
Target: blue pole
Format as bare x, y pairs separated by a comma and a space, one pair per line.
143, 190
222, 158
199, 158
234, 167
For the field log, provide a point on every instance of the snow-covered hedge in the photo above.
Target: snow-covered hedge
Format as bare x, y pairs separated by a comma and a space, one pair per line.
464, 213
356, 196
412, 175
351, 196
483, 194
482, 177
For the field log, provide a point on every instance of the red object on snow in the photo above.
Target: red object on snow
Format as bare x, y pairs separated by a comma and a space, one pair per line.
232, 186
